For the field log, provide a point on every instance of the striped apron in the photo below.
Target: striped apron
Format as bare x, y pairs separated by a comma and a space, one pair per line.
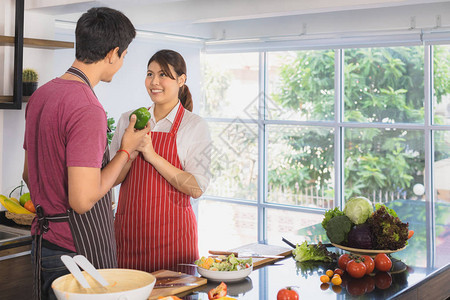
92, 232
155, 224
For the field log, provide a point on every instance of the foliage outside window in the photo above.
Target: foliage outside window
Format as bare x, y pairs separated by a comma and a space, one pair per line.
383, 131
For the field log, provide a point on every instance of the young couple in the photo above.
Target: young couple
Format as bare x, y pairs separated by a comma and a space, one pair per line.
70, 172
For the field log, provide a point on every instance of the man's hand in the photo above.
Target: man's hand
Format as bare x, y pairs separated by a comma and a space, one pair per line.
133, 139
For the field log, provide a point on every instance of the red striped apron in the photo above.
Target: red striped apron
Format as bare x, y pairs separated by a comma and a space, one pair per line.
155, 225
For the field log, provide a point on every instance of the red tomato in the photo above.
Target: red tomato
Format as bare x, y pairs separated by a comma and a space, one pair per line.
370, 264
383, 280
338, 271
356, 269
410, 234
218, 292
287, 294
383, 262
343, 260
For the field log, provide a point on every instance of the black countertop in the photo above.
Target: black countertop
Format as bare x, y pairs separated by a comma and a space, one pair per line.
264, 283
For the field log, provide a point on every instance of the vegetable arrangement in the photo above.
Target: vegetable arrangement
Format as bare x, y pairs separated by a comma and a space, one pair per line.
224, 263
359, 226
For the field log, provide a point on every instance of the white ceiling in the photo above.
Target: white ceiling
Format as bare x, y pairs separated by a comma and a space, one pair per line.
238, 19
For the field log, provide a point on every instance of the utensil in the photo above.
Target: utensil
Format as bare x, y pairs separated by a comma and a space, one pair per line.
244, 254
169, 285
287, 242
83, 262
190, 265
294, 246
369, 252
76, 272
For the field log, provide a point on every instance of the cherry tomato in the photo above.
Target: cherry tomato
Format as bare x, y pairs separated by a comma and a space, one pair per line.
356, 268
287, 294
218, 292
370, 264
383, 280
383, 262
338, 271
329, 273
324, 278
336, 280
343, 260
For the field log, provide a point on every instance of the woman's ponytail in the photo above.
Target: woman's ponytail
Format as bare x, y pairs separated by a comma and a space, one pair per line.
185, 97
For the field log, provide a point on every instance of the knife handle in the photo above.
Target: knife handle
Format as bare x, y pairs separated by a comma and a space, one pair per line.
214, 252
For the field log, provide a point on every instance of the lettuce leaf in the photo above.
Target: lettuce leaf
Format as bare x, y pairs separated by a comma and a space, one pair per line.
319, 252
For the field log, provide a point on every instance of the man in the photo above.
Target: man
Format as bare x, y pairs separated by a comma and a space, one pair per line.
66, 166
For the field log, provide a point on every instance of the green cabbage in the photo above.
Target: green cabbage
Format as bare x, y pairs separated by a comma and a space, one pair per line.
358, 209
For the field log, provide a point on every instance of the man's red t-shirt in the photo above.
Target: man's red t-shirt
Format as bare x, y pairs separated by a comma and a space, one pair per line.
65, 127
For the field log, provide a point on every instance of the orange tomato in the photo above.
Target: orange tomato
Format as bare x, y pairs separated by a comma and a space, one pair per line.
29, 206
336, 280
324, 278
329, 273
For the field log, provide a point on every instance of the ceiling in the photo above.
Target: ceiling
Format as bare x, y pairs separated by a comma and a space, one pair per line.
211, 20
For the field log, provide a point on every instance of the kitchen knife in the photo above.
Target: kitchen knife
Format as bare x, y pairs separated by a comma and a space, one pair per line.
244, 254
294, 246
169, 285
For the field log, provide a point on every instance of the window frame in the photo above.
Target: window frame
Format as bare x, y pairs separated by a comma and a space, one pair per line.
339, 126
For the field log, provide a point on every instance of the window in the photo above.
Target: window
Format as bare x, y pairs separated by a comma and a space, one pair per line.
298, 132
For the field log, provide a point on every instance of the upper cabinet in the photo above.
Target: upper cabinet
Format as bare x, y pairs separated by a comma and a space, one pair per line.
18, 41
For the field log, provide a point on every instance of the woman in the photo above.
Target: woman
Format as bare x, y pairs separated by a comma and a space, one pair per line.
155, 225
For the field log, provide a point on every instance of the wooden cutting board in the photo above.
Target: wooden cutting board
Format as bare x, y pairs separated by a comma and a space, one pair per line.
266, 250
175, 277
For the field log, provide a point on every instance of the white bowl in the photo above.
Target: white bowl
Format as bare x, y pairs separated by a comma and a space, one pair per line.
226, 276
123, 284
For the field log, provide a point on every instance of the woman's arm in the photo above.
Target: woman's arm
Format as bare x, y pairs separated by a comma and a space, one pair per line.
179, 179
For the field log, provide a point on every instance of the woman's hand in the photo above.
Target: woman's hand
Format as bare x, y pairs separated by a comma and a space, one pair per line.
146, 148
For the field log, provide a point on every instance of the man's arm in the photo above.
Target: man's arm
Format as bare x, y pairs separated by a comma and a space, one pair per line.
88, 185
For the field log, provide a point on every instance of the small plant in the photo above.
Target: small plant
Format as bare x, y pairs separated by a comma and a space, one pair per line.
29, 75
111, 128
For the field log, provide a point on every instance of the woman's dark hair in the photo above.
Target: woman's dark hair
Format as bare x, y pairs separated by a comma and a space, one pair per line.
166, 58
99, 30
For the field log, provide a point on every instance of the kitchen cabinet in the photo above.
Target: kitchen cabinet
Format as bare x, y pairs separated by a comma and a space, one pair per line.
16, 275
18, 41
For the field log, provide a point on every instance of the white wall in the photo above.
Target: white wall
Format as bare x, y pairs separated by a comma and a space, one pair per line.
124, 93
12, 122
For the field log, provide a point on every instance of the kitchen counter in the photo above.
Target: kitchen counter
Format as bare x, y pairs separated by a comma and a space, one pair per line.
409, 282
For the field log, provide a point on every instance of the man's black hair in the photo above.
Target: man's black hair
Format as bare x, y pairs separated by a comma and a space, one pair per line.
99, 30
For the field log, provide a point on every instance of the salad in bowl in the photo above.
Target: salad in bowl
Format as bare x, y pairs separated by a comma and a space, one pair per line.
224, 268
